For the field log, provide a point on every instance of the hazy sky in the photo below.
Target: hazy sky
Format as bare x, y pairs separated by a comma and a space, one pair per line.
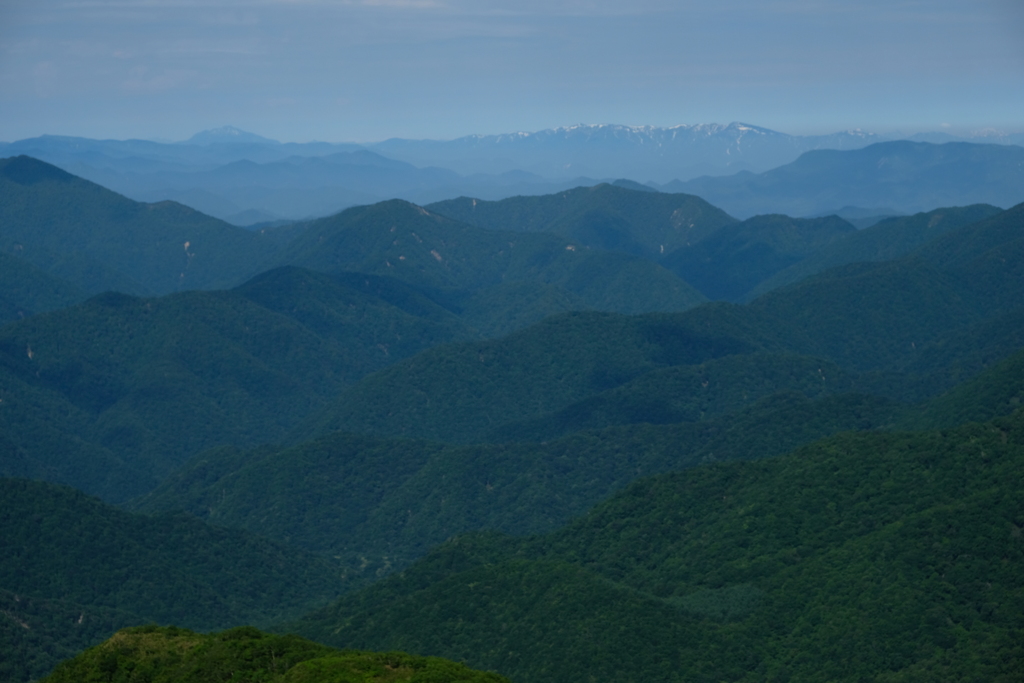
362, 70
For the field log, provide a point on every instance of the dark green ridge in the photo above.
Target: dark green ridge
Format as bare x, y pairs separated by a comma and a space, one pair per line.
961, 247
887, 240
906, 329
41, 437
99, 240
988, 256
735, 258
75, 569
460, 392
505, 308
380, 503
174, 655
601, 217
64, 545
907, 176
969, 276
37, 633
997, 391
863, 556
869, 316
454, 262
155, 380
374, 239
113, 394
376, 320
26, 289
686, 393
949, 359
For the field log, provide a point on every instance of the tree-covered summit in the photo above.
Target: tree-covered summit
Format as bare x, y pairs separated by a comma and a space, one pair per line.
244, 654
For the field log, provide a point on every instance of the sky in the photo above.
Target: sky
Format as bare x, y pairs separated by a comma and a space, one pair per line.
367, 70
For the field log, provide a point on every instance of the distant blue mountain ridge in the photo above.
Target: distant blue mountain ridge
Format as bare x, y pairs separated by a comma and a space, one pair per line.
245, 178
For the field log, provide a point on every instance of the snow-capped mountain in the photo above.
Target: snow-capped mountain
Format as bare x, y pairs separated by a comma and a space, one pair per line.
639, 152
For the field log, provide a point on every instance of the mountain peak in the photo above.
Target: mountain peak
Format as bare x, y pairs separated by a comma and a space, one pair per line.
228, 135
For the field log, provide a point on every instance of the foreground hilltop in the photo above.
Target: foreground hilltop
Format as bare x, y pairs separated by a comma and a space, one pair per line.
172, 655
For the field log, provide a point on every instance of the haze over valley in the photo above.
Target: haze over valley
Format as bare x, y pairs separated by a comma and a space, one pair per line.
747, 170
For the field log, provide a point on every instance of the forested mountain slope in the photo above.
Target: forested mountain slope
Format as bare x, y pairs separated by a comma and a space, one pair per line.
891, 556
458, 392
358, 401
26, 289
473, 268
892, 324
601, 217
75, 568
381, 503
726, 264
100, 240
903, 175
887, 240
538, 255
111, 395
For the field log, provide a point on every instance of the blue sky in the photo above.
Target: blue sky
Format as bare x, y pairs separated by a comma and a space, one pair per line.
351, 70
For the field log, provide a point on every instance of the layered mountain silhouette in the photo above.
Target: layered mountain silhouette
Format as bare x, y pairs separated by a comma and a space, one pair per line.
903, 175
100, 240
247, 179
605, 216
514, 433
857, 556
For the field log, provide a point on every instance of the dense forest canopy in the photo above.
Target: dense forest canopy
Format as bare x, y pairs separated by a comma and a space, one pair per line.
608, 433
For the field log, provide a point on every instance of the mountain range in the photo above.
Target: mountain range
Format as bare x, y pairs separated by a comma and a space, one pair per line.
881, 556
907, 176
609, 150
607, 433
247, 179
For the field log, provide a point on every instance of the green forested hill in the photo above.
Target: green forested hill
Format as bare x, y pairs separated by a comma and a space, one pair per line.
37, 633
381, 503
904, 328
997, 391
904, 175
174, 655
868, 316
113, 394
375, 320
26, 289
100, 240
884, 241
460, 392
464, 264
988, 255
73, 547
864, 556
733, 259
74, 569
686, 393
957, 248
380, 321
402, 240
894, 313
601, 217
